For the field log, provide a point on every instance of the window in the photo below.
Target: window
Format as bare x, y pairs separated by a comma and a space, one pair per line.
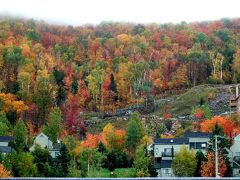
158, 159
237, 153
156, 151
168, 151
203, 145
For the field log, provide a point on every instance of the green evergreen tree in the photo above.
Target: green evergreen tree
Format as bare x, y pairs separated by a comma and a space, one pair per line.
134, 132
200, 157
52, 128
43, 161
62, 163
20, 133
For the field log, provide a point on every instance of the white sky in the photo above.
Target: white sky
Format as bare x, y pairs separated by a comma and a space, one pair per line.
77, 12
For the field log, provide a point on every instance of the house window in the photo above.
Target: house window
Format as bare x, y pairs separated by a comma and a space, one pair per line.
158, 160
203, 145
168, 151
237, 153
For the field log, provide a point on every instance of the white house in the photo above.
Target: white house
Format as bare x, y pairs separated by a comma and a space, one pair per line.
4, 142
44, 142
235, 156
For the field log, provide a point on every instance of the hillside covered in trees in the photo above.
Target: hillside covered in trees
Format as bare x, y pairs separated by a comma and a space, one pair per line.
53, 76
108, 66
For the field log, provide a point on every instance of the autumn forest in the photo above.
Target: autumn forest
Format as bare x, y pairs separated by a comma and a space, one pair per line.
51, 75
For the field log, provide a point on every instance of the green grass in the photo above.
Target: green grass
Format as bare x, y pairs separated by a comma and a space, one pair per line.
183, 103
119, 172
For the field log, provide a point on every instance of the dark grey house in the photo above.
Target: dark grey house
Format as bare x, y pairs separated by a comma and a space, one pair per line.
165, 149
4, 144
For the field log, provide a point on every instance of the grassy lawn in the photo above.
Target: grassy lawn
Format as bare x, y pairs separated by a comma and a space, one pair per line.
119, 172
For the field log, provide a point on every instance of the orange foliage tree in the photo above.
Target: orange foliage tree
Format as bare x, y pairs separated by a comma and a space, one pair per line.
208, 167
113, 138
226, 123
9, 102
4, 173
91, 141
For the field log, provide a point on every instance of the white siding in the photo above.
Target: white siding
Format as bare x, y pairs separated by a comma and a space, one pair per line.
159, 148
235, 148
43, 141
236, 172
199, 140
3, 143
166, 172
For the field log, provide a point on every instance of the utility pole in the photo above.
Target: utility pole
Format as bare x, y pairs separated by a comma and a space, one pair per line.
216, 157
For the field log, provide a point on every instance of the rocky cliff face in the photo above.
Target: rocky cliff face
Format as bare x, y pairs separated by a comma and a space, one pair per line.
220, 104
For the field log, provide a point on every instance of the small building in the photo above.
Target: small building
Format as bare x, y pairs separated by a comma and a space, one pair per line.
44, 142
4, 144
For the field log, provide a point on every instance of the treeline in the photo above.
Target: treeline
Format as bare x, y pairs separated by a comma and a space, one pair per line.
111, 149
108, 66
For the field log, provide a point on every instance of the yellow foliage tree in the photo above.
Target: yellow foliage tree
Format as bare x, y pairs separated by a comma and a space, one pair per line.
9, 102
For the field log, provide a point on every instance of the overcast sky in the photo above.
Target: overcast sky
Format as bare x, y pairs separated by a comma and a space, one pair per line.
78, 12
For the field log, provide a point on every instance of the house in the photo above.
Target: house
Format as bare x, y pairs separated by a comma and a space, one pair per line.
234, 155
166, 149
235, 98
44, 142
198, 140
4, 144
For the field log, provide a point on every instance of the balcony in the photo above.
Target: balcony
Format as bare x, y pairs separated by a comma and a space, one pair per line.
168, 154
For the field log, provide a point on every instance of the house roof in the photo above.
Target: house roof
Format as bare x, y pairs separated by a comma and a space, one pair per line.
6, 138
5, 149
171, 141
235, 165
197, 135
166, 164
41, 134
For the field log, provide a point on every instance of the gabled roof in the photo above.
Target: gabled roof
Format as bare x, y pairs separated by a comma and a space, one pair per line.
41, 134
6, 138
171, 141
5, 149
197, 135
